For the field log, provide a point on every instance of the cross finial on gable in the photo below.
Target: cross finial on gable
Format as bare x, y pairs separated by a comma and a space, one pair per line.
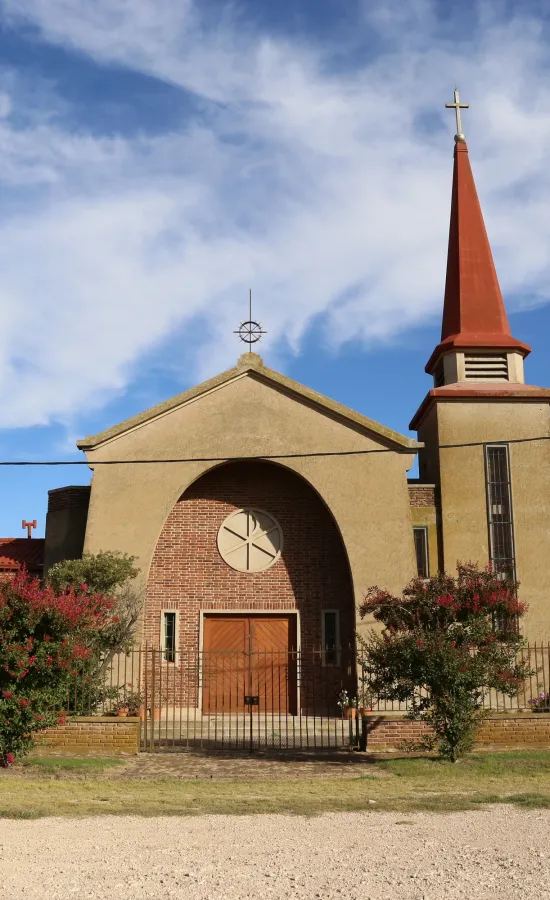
29, 526
250, 331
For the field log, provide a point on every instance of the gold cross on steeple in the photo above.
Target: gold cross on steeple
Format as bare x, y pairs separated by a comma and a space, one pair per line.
457, 106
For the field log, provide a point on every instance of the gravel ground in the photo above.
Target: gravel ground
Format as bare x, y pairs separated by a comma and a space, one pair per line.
500, 852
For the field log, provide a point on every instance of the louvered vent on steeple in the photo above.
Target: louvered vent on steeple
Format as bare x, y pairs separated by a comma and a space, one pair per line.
486, 367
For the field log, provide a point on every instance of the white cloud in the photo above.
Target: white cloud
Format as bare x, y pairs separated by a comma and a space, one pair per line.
321, 188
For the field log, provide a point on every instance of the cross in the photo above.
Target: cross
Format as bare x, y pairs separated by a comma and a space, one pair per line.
457, 106
29, 526
250, 331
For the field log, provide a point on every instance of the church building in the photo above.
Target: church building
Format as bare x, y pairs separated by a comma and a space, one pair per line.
260, 511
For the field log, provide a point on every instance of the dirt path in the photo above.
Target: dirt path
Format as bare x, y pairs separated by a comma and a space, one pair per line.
499, 852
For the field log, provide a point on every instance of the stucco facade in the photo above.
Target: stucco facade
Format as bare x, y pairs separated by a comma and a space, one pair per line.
251, 411
461, 474
148, 472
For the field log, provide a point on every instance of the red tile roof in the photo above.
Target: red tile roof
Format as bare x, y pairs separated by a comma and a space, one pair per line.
18, 552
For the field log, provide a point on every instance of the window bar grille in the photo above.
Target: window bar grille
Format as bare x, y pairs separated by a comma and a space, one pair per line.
499, 510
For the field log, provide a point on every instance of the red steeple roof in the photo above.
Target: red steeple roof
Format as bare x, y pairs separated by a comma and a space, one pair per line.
473, 314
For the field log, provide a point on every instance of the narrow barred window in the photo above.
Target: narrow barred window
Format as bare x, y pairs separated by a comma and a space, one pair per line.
421, 549
169, 636
499, 510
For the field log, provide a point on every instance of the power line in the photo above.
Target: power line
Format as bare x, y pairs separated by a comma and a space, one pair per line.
192, 459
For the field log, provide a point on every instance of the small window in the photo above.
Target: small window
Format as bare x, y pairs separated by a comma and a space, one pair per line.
168, 636
331, 636
421, 549
499, 510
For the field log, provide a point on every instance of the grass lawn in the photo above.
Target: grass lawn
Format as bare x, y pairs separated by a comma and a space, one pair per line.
397, 785
57, 765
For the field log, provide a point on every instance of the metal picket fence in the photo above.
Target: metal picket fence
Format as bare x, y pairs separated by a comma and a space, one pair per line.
262, 700
534, 693
230, 700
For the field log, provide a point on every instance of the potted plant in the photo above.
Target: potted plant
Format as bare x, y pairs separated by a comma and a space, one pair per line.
121, 708
130, 703
541, 703
347, 704
134, 701
367, 702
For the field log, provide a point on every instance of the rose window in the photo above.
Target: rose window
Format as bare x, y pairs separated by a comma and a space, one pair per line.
250, 540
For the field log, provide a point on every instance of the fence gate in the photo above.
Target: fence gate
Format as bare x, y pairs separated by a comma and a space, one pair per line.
247, 699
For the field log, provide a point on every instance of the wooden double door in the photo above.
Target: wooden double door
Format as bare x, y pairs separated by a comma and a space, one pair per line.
249, 664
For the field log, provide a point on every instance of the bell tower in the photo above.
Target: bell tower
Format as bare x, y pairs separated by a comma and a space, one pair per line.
476, 344
485, 431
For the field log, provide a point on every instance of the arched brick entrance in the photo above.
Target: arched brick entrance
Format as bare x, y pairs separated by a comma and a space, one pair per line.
299, 601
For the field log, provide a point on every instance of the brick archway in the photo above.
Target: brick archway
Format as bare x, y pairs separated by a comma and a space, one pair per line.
189, 576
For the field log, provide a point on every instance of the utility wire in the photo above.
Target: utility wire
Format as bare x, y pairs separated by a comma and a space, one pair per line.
191, 459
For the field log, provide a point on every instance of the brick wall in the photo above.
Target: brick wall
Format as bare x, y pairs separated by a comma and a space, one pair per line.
519, 730
74, 496
110, 735
188, 574
389, 732
421, 495
104, 735
66, 523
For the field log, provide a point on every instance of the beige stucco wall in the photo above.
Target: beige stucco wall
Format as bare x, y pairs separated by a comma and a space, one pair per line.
463, 491
367, 495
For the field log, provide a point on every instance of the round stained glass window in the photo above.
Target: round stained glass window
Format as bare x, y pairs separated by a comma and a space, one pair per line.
250, 540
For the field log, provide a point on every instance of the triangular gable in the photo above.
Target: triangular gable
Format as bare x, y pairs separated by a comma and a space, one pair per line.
251, 364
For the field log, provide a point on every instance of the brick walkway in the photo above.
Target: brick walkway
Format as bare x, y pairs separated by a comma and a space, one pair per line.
193, 765
248, 768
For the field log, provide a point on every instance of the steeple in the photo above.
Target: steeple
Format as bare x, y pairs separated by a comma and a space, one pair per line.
476, 342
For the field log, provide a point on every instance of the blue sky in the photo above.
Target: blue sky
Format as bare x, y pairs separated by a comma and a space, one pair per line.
159, 157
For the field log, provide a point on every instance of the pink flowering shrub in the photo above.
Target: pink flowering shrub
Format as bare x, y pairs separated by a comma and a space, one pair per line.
446, 643
46, 637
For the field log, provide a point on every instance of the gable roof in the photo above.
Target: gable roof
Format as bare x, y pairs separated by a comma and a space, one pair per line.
18, 552
252, 365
